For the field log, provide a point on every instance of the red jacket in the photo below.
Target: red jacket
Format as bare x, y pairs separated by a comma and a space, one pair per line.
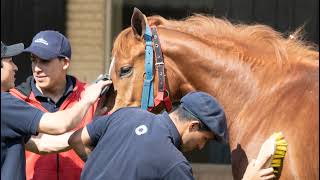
62, 166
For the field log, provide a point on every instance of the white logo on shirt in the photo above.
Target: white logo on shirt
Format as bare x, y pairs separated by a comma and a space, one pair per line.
41, 40
142, 129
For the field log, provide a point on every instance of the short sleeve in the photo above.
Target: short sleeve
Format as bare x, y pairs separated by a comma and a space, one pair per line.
97, 128
180, 171
18, 118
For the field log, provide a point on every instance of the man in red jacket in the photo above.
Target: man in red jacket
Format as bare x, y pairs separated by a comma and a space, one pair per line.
50, 89
20, 120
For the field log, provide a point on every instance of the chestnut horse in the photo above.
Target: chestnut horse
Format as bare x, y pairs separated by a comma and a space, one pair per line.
265, 82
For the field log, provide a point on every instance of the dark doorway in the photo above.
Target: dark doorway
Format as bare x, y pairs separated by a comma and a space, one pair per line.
21, 20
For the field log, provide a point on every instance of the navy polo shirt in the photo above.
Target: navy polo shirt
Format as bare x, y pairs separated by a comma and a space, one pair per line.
135, 144
18, 122
48, 103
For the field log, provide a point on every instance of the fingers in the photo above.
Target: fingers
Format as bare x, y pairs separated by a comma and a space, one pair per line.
104, 83
100, 76
266, 172
272, 176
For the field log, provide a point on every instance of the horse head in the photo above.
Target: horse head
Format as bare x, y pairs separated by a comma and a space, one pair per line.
127, 67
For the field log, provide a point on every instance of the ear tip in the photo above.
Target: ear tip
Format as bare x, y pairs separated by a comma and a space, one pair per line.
136, 10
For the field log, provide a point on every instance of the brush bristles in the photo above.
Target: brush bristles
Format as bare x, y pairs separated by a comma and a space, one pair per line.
280, 151
276, 156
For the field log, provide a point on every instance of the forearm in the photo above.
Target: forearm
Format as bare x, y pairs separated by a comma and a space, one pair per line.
82, 152
46, 144
63, 121
81, 143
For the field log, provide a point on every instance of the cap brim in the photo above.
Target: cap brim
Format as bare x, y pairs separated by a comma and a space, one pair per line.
220, 137
13, 50
41, 52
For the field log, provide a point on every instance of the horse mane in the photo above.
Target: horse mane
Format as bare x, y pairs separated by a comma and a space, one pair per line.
256, 35
249, 36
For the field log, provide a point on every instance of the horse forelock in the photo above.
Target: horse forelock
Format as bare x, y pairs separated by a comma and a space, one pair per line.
124, 42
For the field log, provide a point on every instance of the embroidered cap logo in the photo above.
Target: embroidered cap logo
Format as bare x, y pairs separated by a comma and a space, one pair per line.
41, 40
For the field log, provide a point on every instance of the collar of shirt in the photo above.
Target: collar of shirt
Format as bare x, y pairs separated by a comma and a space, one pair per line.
174, 133
38, 95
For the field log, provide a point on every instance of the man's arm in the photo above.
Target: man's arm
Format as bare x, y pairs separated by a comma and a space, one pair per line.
63, 121
81, 143
46, 144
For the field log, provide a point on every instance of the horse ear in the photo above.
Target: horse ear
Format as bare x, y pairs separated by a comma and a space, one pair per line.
138, 23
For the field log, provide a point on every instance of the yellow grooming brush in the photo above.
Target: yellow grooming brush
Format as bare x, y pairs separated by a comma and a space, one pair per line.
275, 145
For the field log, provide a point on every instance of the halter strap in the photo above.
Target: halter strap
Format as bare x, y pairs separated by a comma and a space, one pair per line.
163, 94
147, 102
147, 91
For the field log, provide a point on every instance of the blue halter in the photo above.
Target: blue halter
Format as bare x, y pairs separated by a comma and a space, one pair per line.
147, 91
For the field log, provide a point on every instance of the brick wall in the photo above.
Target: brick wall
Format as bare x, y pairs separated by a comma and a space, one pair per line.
85, 27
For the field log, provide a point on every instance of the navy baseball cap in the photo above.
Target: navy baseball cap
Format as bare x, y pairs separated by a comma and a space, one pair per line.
12, 50
50, 44
207, 109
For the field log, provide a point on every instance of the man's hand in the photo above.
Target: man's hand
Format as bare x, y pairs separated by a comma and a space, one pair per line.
92, 92
63, 121
257, 172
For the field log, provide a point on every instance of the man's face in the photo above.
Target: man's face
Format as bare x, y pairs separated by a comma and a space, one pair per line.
8, 72
193, 138
48, 73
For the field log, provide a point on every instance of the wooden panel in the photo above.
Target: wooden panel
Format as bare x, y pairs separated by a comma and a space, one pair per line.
284, 19
265, 12
242, 10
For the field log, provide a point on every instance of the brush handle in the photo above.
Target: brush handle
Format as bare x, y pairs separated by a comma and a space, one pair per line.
105, 77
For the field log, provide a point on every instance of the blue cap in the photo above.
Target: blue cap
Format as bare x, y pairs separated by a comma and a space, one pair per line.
207, 109
50, 44
10, 51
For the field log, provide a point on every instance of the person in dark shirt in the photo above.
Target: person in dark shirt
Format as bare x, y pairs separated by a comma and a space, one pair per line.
19, 120
135, 144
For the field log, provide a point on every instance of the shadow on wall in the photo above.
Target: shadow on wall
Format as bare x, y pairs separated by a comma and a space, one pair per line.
213, 152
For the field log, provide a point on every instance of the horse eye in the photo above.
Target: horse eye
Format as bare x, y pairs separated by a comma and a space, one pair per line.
125, 71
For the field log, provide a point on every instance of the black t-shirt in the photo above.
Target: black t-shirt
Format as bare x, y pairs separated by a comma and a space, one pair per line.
18, 122
134, 144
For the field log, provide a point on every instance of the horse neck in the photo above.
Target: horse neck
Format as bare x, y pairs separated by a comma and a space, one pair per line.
216, 70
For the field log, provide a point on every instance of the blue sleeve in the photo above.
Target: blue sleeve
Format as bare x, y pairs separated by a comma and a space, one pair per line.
180, 171
18, 119
97, 128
